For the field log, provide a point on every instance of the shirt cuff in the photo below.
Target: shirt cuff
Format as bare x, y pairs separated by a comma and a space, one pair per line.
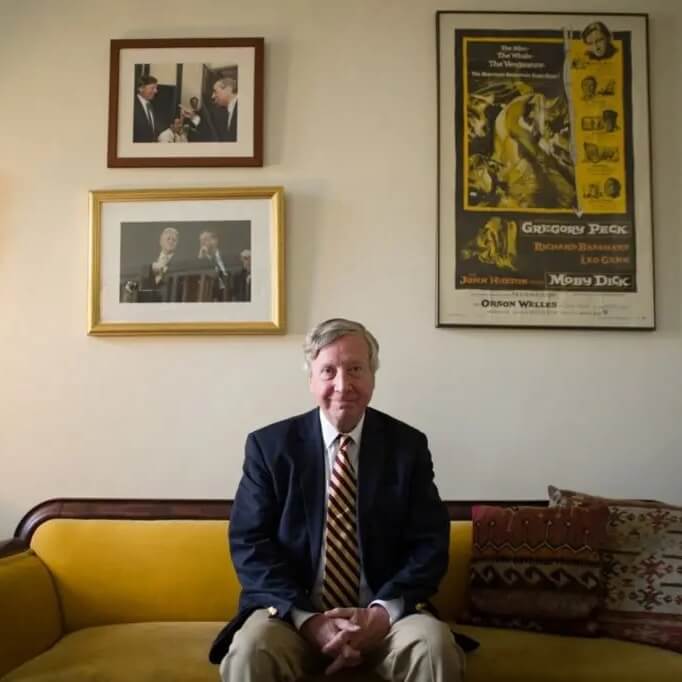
394, 607
299, 616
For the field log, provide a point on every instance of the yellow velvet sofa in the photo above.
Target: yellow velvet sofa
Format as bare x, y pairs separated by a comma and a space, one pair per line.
135, 591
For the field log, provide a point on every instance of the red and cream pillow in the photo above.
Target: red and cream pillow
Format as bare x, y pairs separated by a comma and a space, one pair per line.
642, 559
537, 568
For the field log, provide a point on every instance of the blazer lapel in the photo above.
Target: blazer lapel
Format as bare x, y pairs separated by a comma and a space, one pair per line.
311, 477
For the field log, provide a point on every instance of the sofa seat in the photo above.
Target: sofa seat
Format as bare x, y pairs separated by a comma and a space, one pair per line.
518, 656
176, 652
162, 652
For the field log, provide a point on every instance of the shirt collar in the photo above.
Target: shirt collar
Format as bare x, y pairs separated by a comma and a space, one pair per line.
330, 432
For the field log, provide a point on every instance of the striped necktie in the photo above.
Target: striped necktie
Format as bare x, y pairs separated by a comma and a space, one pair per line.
341, 582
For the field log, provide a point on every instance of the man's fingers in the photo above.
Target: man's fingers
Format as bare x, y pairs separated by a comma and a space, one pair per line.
335, 665
353, 656
348, 658
340, 613
335, 644
345, 625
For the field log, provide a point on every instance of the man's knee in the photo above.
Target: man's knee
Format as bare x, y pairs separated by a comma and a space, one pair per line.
435, 638
263, 649
425, 649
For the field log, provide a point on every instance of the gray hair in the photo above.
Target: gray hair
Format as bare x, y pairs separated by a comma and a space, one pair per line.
227, 82
170, 230
328, 331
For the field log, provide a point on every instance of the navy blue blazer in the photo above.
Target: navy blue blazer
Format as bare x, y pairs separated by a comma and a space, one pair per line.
277, 520
142, 130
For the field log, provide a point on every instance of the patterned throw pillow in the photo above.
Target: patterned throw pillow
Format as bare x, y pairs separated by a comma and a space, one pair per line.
537, 568
643, 568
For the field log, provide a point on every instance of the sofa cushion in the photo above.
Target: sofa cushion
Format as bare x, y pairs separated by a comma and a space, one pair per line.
125, 653
643, 568
126, 571
518, 656
537, 568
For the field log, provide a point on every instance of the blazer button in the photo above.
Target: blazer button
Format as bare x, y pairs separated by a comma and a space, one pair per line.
272, 612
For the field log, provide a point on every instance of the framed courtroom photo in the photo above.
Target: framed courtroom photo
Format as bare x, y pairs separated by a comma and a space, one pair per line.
544, 171
187, 261
186, 102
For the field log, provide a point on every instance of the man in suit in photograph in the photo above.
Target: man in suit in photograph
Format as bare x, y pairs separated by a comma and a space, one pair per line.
209, 256
225, 96
241, 280
338, 535
145, 121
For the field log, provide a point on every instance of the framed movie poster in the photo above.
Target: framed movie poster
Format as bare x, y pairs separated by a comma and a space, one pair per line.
187, 261
545, 216
186, 102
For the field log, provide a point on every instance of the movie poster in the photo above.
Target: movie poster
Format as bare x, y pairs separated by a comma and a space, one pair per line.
545, 208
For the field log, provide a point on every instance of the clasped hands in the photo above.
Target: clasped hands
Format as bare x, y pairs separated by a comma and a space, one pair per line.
347, 634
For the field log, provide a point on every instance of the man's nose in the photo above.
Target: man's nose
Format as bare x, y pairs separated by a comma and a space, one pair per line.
341, 381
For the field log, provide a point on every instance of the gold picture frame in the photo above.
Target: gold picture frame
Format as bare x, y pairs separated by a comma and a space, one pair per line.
187, 261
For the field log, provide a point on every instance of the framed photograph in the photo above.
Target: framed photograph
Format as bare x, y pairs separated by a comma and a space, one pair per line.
544, 171
187, 261
186, 102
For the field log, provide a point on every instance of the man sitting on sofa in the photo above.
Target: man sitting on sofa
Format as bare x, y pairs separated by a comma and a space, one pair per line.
338, 535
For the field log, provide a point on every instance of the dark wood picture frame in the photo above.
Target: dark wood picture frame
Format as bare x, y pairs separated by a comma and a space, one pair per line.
131, 59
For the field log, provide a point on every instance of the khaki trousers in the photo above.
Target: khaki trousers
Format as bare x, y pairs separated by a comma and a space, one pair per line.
418, 648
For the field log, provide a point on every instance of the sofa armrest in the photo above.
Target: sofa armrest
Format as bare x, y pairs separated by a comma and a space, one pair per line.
30, 619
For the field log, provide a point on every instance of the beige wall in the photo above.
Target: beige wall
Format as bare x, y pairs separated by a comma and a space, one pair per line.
350, 133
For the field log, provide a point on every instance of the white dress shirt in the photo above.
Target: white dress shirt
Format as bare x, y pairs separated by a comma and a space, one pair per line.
230, 110
330, 437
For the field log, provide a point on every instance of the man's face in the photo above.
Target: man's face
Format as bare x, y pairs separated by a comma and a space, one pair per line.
342, 382
168, 241
609, 122
209, 241
221, 96
246, 262
611, 188
149, 91
597, 42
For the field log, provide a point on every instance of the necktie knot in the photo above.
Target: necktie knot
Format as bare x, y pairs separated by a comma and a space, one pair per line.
345, 441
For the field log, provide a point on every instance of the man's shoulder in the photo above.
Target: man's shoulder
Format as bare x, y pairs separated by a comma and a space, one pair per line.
283, 427
391, 424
